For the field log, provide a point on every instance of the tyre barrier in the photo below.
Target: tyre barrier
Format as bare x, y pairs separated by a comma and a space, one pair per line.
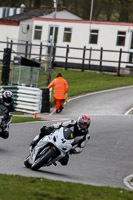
45, 100
29, 99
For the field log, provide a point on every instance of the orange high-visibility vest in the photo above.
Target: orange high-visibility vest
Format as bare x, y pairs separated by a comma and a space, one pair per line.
60, 87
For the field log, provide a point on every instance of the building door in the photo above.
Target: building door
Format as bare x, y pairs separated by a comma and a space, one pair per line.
131, 48
53, 33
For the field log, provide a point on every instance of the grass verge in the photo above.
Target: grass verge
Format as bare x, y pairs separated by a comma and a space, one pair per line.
27, 188
83, 82
24, 119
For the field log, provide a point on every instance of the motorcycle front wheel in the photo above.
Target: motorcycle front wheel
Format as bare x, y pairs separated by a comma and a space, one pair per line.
26, 162
43, 159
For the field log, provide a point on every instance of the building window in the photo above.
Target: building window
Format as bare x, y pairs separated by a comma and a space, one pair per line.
93, 37
131, 58
131, 46
121, 36
37, 32
67, 34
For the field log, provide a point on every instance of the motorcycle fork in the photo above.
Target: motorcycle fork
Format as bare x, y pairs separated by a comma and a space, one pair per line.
43, 151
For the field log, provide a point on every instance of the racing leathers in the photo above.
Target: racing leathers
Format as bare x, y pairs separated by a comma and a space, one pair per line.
80, 138
6, 119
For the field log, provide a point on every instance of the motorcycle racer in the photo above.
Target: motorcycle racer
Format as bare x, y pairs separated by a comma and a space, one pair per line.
6, 102
80, 128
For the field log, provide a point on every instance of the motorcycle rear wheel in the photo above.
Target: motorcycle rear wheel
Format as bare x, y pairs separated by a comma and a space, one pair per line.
41, 161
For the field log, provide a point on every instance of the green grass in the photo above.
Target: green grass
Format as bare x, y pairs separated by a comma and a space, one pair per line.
83, 82
27, 188
24, 119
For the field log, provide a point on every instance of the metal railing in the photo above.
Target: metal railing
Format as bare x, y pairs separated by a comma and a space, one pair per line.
73, 57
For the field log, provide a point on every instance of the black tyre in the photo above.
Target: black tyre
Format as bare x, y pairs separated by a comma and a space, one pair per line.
42, 160
26, 163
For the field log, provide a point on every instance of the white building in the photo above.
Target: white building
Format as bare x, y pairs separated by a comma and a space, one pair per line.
20, 27
68, 29
80, 33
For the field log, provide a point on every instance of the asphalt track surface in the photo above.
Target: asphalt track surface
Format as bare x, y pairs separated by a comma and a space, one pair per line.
107, 158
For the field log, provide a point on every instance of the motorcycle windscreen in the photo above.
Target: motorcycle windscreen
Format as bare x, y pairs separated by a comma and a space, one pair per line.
68, 134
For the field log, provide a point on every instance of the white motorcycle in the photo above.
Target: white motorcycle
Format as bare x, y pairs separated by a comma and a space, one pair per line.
50, 149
